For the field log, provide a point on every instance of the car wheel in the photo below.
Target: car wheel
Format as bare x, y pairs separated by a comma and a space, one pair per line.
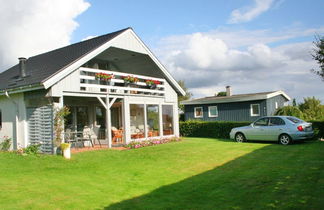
284, 139
239, 137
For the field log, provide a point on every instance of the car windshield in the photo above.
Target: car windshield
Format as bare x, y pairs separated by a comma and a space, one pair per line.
295, 120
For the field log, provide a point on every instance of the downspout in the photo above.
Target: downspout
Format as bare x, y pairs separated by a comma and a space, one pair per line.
15, 146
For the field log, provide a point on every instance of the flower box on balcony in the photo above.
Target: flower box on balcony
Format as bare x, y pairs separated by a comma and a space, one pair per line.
152, 83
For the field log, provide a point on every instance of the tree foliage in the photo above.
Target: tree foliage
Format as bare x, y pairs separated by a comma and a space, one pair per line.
318, 55
221, 94
185, 97
290, 111
310, 109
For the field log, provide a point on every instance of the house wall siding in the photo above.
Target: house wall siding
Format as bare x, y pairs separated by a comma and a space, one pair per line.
271, 104
9, 112
238, 111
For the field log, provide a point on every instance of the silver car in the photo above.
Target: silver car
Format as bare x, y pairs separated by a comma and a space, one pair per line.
284, 129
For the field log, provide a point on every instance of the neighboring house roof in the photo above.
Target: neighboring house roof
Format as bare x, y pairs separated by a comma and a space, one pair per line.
45, 67
236, 98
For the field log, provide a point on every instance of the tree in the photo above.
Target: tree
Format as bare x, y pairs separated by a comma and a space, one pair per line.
312, 109
221, 94
187, 96
290, 111
318, 55
294, 103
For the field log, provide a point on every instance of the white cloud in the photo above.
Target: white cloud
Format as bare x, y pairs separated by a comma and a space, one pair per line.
33, 27
88, 37
246, 14
210, 61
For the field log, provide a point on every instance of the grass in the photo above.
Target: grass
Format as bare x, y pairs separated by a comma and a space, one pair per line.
197, 173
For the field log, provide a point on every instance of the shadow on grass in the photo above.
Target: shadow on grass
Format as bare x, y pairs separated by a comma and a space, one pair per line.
274, 176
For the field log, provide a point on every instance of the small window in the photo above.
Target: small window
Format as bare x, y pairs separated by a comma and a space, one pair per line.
255, 109
199, 112
262, 122
212, 111
276, 105
275, 121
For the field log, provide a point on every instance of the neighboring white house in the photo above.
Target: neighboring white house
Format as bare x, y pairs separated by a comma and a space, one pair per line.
31, 90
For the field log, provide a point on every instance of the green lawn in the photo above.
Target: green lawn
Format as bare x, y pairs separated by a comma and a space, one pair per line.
196, 173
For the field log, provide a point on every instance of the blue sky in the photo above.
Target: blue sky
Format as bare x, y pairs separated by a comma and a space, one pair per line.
251, 45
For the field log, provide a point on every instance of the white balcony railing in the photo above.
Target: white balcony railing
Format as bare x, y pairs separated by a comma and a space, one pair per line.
117, 85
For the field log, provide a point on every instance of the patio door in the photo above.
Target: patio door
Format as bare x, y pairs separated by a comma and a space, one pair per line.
78, 118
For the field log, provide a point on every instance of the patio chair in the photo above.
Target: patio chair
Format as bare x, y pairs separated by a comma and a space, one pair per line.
86, 136
95, 134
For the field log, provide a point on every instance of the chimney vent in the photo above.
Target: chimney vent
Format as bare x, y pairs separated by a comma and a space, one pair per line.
22, 67
228, 91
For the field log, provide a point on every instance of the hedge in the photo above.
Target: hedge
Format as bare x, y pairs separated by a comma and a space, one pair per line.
318, 127
218, 129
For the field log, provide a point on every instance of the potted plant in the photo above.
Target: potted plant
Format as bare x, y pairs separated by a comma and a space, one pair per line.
152, 83
66, 148
130, 80
104, 78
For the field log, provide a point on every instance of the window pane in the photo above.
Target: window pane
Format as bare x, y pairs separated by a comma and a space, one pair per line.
276, 121
167, 117
0, 119
137, 121
255, 109
153, 120
198, 112
82, 118
213, 111
262, 122
68, 120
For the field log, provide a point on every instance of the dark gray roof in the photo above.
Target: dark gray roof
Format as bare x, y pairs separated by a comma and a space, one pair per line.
42, 66
235, 98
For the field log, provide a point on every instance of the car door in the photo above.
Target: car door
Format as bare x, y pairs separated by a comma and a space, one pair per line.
275, 128
259, 130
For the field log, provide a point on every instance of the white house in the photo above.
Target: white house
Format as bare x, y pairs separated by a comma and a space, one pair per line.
31, 91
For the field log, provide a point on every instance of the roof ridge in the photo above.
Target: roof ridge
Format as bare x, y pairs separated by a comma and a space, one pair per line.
84, 41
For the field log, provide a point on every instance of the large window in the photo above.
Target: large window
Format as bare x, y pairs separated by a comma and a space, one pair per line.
212, 111
255, 109
167, 119
153, 120
101, 117
198, 112
137, 121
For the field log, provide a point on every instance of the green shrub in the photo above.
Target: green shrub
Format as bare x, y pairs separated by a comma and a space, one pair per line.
5, 144
216, 129
32, 149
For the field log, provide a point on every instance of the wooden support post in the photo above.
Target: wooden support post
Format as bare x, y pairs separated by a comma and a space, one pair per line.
108, 122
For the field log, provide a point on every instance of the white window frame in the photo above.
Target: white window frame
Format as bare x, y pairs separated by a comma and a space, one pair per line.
251, 110
202, 112
209, 114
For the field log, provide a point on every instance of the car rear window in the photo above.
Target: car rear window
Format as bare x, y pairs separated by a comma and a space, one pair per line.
295, 120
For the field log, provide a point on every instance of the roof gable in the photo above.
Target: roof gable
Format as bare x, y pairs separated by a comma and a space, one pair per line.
48, 68
43, 66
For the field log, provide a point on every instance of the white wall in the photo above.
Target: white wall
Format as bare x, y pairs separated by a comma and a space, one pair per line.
9, 113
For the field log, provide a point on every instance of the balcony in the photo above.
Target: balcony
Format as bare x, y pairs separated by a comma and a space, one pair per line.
117, 85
